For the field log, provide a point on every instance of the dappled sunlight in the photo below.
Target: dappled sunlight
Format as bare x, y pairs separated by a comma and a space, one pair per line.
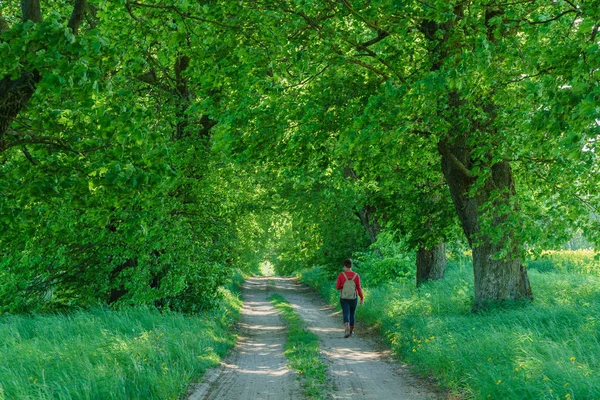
325, 330
354, 354
257, 371
355, 367
263, 327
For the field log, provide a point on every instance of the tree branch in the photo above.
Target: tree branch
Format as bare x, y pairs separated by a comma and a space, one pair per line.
3, 24
445, 151
77, 15
48, 140
380, 36
310, 78
369, 67
363, 19
522, 78
29, 156
182, 14
546, 20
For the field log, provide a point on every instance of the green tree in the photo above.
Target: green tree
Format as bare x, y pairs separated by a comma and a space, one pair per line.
453, 72
124, 203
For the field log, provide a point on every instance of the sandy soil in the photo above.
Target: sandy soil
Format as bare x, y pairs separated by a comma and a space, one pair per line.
358, 368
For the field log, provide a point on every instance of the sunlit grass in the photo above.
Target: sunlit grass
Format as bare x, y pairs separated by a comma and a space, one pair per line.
101, 354
575, 261
302, 351
549, 349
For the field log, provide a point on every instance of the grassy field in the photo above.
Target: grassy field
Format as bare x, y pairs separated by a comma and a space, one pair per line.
101, 354
549, 349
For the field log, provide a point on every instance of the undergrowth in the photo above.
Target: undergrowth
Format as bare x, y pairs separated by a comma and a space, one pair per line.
103, 354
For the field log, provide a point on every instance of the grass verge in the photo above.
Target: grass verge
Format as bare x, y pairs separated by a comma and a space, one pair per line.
302, 351
549, 349
101, 354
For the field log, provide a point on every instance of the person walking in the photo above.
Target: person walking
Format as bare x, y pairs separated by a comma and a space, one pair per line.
348, 283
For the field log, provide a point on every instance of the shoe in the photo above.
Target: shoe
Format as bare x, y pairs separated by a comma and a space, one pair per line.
347, 331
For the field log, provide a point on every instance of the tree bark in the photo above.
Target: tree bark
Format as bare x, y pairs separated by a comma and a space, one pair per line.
31, 10
496, 278
15, 94
431, 263
369, 222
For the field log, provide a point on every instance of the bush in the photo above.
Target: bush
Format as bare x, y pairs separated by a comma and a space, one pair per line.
385, 261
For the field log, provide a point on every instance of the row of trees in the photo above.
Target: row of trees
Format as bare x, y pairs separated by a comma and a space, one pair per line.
149, 146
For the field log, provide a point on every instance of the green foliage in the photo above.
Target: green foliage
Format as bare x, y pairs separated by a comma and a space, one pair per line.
545, 350
109, 195
387, 261
323, 279
166, 145
133, 354
302, 351
584, 262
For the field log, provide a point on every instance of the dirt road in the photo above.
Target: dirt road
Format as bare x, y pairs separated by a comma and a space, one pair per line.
256, 369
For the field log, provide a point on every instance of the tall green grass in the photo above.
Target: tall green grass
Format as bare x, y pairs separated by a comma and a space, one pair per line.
549, 349
575, 261
302, 351
101, 354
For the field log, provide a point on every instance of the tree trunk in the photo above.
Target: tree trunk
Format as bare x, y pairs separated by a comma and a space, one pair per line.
431, 264
31, 10
369, 222
497, 278
15, 94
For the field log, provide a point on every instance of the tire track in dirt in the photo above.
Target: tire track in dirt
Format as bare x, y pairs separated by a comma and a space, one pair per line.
256, 369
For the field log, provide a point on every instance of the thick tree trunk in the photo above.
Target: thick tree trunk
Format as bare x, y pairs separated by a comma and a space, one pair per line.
496, 278
431, 264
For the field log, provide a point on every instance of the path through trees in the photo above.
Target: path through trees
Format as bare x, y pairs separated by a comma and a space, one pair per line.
256, 368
